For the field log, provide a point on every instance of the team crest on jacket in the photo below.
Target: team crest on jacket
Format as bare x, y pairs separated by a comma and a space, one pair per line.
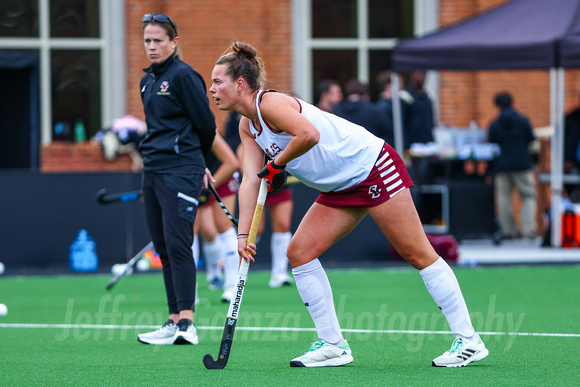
163, 89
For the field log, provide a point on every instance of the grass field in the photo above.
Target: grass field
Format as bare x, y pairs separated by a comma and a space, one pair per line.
68, 330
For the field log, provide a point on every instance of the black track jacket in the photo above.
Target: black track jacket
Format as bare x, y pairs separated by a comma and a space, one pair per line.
180, 124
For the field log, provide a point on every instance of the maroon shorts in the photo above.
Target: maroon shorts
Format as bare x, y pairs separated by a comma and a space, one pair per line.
228, 188
388, 177
284, 195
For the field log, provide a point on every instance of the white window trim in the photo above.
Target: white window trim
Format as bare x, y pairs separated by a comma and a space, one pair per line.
426, 20
113, 61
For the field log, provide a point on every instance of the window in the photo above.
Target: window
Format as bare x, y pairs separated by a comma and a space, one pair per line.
74, 39
76, 92
19, 18
334, 18
345, 39
74, 19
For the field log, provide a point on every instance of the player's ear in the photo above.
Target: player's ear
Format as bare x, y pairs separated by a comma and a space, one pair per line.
240, 84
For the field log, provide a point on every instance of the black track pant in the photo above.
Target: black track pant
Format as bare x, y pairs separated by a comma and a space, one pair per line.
171, 203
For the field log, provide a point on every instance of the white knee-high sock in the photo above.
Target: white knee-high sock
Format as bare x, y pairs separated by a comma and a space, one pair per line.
195, 249
229, 243
444, 288
212, 254
314, 288
278, 246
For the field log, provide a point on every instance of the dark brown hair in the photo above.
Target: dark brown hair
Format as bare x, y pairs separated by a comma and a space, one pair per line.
166, 25
243, 61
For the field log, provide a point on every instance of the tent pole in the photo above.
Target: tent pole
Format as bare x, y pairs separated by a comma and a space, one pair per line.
397, 121
556, 151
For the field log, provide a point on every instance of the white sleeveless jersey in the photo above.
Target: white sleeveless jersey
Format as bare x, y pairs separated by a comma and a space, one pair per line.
343, 157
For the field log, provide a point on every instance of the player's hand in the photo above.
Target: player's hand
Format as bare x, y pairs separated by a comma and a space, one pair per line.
248, 251
207, 178
276, 176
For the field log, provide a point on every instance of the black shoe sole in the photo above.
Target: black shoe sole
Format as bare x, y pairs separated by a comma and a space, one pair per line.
180, 340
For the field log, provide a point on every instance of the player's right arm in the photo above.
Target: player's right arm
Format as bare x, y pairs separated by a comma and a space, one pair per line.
252, 162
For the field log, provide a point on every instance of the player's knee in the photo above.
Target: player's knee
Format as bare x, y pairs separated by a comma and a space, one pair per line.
281, 226
296, 256
208, 235
419, 258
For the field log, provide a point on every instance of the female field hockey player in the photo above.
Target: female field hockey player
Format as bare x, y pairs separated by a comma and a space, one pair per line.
357, 174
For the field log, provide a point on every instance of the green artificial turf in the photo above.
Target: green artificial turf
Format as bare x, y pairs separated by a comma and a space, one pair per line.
80, 334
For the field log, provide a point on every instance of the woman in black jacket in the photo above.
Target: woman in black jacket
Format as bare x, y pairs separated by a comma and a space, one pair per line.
180, 131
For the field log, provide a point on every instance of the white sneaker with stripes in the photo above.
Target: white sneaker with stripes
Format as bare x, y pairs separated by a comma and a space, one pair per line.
462, 353
323, 354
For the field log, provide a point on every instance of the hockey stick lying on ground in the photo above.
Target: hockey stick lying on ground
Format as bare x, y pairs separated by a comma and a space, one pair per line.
104, 198
129, 265
133, 261
236, 302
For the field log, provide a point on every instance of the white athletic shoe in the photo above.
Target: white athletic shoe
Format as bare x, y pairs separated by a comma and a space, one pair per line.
162, 336
228, 293
462, 353
323, 354
186, 333
279, 280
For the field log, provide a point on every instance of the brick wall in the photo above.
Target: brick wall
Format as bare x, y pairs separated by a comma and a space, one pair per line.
61, 156
206, 30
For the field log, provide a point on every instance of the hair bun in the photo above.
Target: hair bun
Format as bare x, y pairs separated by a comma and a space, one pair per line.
244, 49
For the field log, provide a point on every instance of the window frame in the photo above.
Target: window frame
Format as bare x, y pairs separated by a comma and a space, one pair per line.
426, 19
110, 44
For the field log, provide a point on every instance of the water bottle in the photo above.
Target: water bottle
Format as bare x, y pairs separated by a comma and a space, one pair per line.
82, 255
80, 131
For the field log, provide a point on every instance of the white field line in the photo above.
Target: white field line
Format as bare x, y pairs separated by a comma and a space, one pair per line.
281, 329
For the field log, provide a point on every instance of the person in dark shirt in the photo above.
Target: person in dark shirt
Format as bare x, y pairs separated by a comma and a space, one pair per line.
385, 103
572, 151
513, 168
416, 111
180, 131
328, 94
356, 107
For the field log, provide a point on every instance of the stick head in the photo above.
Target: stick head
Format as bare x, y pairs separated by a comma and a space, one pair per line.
212, 364
102, 192
113, 282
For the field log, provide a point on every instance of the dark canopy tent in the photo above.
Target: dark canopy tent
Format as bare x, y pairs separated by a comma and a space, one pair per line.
570, 50
520, 34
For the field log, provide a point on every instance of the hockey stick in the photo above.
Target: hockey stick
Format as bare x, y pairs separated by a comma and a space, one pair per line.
104, 198
235, 303
222, 205
129, 265
292, 180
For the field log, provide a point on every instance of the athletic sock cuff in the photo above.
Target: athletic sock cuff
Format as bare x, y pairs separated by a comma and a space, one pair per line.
307, 268
230, 232
434, 269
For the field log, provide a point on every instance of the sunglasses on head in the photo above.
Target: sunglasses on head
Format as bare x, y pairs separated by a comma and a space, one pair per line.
159, 18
